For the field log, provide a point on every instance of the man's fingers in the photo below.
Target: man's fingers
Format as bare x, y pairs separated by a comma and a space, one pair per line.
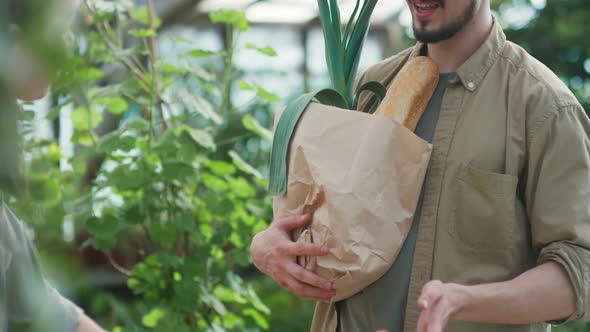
291, 223
434, 320
431, 293
307, 291
307, 249
302, 275
422, 322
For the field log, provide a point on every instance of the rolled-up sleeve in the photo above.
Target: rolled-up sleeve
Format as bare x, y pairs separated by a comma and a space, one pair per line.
557, 197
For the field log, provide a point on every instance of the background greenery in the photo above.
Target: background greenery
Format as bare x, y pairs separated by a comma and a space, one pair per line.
147, 224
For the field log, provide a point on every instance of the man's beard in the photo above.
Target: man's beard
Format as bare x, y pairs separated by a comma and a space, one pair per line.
448, 30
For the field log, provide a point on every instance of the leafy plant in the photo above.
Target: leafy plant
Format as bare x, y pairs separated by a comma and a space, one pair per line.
156, 196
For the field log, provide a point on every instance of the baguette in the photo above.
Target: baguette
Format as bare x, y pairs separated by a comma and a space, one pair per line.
410, 92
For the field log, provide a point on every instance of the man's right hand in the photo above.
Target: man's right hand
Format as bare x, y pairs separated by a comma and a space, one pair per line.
275, 254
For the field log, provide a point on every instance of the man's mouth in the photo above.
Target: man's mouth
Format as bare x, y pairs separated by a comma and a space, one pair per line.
425, 8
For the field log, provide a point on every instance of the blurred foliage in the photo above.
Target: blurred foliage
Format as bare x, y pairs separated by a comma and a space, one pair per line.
170, 211
557, 36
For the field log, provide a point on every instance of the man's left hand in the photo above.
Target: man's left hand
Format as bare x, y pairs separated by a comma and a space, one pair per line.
440, 303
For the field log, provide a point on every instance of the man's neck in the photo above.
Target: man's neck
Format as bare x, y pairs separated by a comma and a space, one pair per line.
452, 53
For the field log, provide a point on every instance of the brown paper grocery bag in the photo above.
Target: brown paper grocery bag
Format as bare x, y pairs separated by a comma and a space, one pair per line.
360, 175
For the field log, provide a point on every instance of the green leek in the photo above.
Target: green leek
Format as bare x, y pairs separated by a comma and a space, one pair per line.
343, 52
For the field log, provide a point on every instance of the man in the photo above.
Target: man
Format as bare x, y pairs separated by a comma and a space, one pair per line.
501, 236
27, 301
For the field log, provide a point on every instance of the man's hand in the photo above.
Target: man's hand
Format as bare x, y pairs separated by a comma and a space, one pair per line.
439, 303
275, 254
541, 294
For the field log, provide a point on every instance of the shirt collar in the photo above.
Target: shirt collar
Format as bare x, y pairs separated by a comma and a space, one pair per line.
472, 72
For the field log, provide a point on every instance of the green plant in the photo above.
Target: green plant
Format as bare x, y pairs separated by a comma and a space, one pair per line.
155, 191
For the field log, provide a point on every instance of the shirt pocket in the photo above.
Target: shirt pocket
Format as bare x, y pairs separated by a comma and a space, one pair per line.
483, 211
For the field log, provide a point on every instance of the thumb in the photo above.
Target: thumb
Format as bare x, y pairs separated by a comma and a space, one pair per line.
431, 293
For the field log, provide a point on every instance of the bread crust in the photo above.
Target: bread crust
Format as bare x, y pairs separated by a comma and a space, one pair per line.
410, 92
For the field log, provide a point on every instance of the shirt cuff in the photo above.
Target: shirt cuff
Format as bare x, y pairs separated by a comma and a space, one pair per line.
574, 260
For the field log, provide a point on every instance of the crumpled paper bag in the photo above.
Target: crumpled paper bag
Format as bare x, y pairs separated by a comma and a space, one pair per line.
360, 175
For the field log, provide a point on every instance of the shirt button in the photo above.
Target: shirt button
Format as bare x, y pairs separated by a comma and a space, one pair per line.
471, 85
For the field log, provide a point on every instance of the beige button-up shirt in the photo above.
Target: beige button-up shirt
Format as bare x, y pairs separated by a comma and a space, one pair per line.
508, 185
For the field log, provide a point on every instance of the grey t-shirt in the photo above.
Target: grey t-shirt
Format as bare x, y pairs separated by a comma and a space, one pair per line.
27, 302
382, 305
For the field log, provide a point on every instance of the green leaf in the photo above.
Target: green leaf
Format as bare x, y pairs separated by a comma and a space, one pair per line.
246, 86
115, 105
82, 137
178, 39
254, 126
243, 165
334, 49
227, 295
351, 22
257, 317
355, 44
54, 153
233, 17
372, 86
88, 74
336, 22
163, 233
82, 119
231, 321
153, 317
256, 301
114, 141
214, 183
177, 276
177, 170
141, 15
242, 188
213, 302
267, 50
106, 226
265, 94
200, 53
201, 106
101, 243
124, 178
198, 136
138, 124
220, 168
142, 33
172, 69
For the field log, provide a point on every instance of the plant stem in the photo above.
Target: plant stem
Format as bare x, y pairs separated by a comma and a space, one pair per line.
228, 71
155, 65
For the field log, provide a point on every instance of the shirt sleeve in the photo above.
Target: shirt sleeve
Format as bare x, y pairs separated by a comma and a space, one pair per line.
69, 314
33, 305
557, 197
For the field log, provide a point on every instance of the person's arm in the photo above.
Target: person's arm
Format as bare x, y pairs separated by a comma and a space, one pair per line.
544, 293
556, 196
88, 325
